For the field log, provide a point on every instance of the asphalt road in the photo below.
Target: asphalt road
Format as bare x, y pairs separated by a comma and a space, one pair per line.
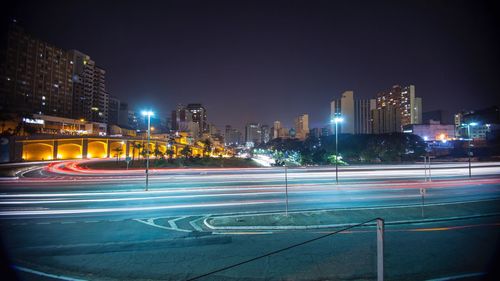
101, 225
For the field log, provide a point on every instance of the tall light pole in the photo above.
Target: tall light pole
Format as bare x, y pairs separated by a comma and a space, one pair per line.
148, 114
469, 137
338, 119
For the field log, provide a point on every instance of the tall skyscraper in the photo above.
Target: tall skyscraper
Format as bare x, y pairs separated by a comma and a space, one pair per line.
35, 76
90, 99
356, 114
403, 98
252, 134
302, 126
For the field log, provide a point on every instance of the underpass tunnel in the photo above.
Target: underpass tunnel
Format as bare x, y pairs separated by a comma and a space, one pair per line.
69, 150
97, 149
37, 151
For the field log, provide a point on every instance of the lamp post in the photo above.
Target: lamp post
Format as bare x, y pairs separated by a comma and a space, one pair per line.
148, 114
469, 145
337, 120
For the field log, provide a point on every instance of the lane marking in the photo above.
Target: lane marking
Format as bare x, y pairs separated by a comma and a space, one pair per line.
173, 224
36, 272
151, 222
132, 209
195, 226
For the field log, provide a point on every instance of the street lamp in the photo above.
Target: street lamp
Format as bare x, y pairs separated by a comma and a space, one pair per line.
469, 137
148, 114
337, 119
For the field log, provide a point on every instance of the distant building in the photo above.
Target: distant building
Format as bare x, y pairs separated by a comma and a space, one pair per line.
486, 121
265, 134
35, 76
404, 99
232, 136
277, 130
199, 116
90, 99
435, 115
355, 113
252, 134
386, 120
113, 110
302, 126
434, 131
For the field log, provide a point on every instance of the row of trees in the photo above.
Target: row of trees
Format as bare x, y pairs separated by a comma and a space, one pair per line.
394, 147
186, 151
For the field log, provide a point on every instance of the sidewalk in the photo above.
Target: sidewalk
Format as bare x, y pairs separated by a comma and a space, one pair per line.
346, 217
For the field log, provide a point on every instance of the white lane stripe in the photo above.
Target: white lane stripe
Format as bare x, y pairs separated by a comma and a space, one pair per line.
61, 277
455, 277
131, 209
229, 188
135, 198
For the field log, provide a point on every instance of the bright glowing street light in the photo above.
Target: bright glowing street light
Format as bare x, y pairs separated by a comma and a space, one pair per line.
148, 114
337, 119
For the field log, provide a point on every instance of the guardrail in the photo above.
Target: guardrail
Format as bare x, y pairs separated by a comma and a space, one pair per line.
379, 222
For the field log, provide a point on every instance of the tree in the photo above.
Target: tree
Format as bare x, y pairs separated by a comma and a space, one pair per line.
170, 153
135, 146
207, 147
118, 152
186, 151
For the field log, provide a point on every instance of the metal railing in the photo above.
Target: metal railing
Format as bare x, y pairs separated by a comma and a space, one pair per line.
379, 222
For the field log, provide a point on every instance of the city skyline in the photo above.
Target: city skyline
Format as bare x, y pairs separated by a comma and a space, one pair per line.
243, 72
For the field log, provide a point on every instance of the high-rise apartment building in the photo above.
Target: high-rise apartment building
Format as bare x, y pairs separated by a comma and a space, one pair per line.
90, 99
35, 76
355, 113
302, 126
403, 98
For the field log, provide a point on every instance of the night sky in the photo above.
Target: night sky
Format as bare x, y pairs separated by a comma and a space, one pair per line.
250, 61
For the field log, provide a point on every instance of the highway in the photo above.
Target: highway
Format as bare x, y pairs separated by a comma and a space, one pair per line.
70, 213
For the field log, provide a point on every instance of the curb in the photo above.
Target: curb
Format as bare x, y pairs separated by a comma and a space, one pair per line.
306, 227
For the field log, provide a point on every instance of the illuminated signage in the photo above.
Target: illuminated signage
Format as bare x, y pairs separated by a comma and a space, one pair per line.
33, 121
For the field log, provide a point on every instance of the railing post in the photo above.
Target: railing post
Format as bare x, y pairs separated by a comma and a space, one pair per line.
380, 249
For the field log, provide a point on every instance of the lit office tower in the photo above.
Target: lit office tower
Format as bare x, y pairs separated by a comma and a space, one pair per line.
356, 114
252, 134
90, 99
403, 98
35, 76
199, 116
302, 126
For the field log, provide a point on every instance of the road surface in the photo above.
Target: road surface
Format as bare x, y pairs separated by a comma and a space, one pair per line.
67, 221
